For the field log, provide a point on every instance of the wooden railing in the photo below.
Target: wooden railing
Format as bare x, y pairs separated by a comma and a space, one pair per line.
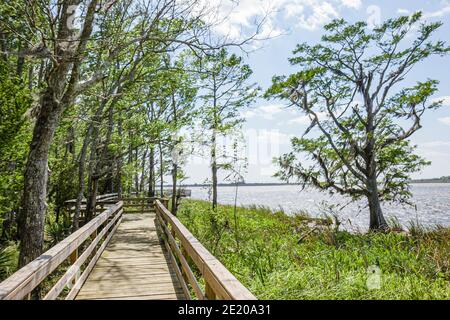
183, 193
183, 248
101, 202
135, 205
70, 252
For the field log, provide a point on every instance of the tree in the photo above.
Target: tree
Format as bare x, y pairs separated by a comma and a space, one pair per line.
62, 34
357, 143
181, 94
77, 45
62, 86
15, 100
225, 91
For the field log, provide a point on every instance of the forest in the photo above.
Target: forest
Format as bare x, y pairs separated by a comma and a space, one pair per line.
100, 97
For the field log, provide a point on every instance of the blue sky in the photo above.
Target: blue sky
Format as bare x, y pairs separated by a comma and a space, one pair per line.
269, 125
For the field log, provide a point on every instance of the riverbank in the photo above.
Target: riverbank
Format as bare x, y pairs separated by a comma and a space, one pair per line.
431, 205
297, 257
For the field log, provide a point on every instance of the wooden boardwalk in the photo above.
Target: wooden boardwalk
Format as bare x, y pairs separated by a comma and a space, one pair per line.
121, 254
134, 265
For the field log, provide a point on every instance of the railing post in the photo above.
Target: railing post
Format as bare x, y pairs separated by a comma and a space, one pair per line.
209, 292
73, 258
165, 203
186, 256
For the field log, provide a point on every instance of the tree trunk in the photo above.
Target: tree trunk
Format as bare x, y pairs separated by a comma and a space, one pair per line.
161, 168
142, 182
174, 189
98, 173
3, 46
20, 63
119, 161
92, 200
377, 221
34, 205
136, 175
91, 171
130, 160
81, 171
41, 73
214, 170
151, 175
30, 77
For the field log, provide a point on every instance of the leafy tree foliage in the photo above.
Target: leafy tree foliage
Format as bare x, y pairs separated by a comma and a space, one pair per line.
361, 119
225, 92
15, 100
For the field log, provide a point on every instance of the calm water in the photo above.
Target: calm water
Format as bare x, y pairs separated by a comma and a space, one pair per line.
432, 203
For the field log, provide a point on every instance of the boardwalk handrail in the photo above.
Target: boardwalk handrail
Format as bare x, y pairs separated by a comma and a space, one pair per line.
219, 282
100, 198
25, 280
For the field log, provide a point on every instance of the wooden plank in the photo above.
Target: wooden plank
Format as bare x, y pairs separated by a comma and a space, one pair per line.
173, 295
134, 287
139, 278
142, 276
131, 262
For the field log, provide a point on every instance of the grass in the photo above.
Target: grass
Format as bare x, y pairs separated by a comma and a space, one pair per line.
296, 257
9, 254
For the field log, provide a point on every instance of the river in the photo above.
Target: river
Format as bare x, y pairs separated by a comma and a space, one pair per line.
432, 203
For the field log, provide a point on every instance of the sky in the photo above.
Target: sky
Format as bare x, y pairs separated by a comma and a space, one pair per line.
270, 125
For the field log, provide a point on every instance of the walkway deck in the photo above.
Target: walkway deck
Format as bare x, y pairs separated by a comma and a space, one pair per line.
119, 255
134, 265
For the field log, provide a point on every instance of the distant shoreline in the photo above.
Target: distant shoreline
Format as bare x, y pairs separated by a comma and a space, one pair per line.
256, 184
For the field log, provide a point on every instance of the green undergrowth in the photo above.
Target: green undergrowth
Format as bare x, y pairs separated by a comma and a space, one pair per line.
278, 256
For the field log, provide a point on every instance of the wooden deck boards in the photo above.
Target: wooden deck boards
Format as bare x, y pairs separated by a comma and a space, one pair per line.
134, 265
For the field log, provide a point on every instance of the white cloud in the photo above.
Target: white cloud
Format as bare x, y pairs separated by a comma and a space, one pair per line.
403, 11
445, 120
248, 114
445, 100
235, 19
445, 10
273, 136
322, 13
303, 120
238, 19
436, 151
355, 4
434, 144
268, 111
293, 9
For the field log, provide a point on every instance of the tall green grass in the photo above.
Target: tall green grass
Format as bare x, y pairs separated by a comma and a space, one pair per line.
9, 255
296, 257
